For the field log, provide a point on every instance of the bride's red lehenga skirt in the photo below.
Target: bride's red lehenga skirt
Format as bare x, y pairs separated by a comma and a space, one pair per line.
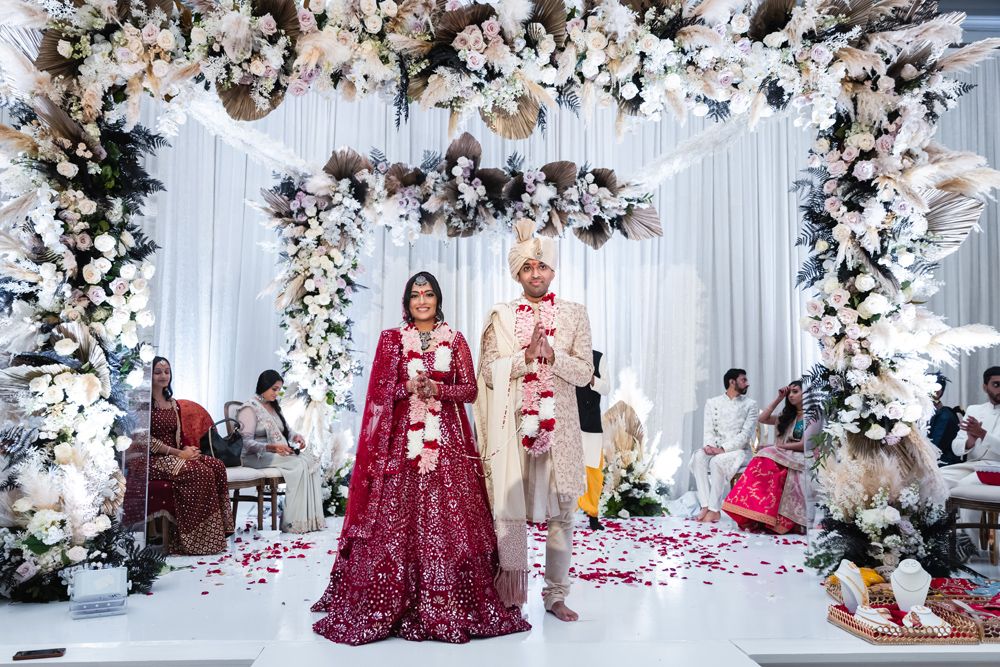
427, 571
755, 500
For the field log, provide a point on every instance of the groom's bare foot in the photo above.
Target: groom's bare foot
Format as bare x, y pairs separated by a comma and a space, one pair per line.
564, 613
711, 517
701, 515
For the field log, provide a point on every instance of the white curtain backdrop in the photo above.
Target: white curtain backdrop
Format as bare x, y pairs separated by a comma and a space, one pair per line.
716, 291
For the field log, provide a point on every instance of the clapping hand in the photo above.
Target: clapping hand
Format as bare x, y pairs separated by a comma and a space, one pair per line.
973, 427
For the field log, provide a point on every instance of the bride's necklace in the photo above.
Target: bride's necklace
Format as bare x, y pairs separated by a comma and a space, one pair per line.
425, 340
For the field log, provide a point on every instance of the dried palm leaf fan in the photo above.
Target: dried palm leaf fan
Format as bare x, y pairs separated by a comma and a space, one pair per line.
400, 176
551, 14
50, 60
348, 163
90, 351
518, 125
62, 125
641, 224
15, 380
951, 218
858, 13
277, 205
237, 98
920, 54
627, 434
599, 231
770, 16
111, 505
441, 53
465, 146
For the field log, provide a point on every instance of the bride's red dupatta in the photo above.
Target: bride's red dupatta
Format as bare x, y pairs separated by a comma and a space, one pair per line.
365, 494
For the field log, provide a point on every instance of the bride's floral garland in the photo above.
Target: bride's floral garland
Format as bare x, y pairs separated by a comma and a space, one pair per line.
538, 402
423, 438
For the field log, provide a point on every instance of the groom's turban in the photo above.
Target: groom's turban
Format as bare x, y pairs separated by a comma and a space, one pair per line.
528, 249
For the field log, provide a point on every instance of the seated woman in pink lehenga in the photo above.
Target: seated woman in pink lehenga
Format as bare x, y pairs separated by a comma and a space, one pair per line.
769, 495
418, 554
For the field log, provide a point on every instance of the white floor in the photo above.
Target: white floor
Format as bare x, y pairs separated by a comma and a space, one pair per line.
669, 591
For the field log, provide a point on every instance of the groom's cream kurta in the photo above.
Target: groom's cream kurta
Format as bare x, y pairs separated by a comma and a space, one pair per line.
549, 484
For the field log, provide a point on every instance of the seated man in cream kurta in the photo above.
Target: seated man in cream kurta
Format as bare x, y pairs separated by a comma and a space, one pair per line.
981, 428
730, 421
534, 353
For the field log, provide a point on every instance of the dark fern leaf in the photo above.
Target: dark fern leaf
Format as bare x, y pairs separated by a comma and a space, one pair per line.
717, 111
431, 161
515, 163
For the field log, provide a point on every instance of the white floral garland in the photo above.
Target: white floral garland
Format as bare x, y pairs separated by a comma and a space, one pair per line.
538, 403
423, 437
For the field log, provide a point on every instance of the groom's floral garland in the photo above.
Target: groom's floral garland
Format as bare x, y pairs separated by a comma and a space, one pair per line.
538, 402
423, 438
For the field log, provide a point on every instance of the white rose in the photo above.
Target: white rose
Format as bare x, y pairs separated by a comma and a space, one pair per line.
89, 529
257, 68
105, 243
146, 353
864, 283
135, 378
63, 453
161, 68
103, 264
892, 515
40, 383
368, 7
875, 304
198, 36
629, 90
92, 274
103, 522
876, 432
87, 207
740, 23
66, 347
648, 43
165, 40
147, 269
64, 48
389, 8
144, 318
775, 39
373, 23
901, 429
596, 41
127, 271
77, 554
52, 395
67, 169
671, 81
122, 443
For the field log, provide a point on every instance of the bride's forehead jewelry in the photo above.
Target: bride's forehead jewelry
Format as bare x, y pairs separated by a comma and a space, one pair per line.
421, 280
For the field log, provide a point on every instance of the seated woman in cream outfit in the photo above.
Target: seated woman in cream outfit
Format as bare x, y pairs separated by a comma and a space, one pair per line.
266, 438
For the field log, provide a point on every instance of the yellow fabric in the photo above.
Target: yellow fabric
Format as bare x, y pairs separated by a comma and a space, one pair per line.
590, 501
870, 576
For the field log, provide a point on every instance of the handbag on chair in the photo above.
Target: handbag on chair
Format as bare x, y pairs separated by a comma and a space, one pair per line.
228, 449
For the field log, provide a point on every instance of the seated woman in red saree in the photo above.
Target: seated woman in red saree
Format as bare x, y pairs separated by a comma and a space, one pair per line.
769, 495
418, 554
201, 488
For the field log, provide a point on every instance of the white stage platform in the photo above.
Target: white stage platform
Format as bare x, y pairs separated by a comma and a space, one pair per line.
666, 591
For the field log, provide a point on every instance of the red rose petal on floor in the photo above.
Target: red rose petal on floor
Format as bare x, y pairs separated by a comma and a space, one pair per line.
204, 592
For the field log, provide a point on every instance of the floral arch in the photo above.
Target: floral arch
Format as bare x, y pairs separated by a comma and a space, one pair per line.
882, 203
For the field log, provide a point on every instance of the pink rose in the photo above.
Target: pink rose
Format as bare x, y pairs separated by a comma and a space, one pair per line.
814, 161
839, 297
847, 315
900, 206
864, 171
84, 242
832, 156
837, 168
854, 220
25, 571
830, 186
832, 205
461, 42
815, 331
491, 28
307, 21
96, 295
475, 38
725, 77
829, 326
298, 88
453, 6
475, 60
575, 24
884, 144
851, 153
861, 361
149, 33
821, 54
119, 286
267, 24
853, 331
815, 307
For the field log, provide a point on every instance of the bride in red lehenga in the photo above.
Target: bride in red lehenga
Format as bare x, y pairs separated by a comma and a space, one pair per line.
417, 553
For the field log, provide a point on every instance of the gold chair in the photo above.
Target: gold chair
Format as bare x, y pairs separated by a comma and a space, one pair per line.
267, 479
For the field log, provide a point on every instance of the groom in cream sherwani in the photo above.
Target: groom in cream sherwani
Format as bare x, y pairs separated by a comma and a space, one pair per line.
524, 486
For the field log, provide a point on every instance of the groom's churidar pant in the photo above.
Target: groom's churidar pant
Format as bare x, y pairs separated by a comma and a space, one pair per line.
711, 492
